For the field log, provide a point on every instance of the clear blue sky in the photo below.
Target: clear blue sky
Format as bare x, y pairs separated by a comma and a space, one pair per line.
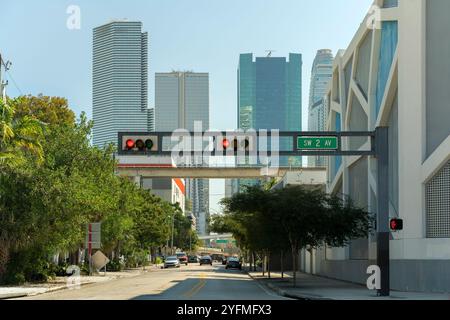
198, 35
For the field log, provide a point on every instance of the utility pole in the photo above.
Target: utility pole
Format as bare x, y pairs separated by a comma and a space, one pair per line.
3, 84
173, 224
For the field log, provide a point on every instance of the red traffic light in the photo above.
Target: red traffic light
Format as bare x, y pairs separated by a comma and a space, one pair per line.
225, 143
396, 224
139, 143
130, 143
236, 144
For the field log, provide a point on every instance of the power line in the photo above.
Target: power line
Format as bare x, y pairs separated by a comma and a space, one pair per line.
14, 82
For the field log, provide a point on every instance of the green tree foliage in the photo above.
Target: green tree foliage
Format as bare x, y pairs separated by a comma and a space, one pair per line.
265, 220
53, 183
184, 236
50, 110
20, 136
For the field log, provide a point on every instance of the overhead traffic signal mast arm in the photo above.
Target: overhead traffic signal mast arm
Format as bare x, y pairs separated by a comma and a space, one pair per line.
231, 140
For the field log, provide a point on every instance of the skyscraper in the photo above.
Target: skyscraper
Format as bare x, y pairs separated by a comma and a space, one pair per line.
270, 94
182, 98
151, 119
269, 97
120, 80
321, 74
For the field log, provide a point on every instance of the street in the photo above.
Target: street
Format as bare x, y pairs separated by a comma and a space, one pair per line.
192, 282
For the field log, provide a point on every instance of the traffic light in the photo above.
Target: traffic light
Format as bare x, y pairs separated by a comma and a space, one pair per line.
139, 143
396, 224
237, 144
225, 143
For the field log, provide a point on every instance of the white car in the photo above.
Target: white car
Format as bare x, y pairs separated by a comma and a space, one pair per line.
172, 261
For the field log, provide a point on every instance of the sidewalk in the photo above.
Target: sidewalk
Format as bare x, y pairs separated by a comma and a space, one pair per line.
60, 283
310, 287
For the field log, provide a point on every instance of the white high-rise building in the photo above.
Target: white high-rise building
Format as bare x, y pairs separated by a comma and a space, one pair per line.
120, 80
321, 74
182, 98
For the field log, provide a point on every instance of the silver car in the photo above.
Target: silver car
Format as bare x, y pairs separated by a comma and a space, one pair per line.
172, 261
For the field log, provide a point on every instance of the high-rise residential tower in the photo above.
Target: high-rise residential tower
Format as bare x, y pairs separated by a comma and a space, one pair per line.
120, 80
181, 99
321, 74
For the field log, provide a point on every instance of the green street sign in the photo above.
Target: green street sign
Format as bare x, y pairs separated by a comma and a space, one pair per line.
317, 143
221, 241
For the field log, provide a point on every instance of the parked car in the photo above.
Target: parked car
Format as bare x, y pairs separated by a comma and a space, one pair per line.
193, 259
233, 263
182, 257
206, 260
224, 260
171, 261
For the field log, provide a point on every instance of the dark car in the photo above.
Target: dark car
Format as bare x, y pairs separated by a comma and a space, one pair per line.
224, 260
233, 263
182, 257
192, 259
206, 260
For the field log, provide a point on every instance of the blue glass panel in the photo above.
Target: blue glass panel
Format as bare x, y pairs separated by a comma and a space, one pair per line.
337, 160
390, 3
389, 39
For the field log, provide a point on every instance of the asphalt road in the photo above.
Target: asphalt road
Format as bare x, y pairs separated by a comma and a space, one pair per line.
191, 282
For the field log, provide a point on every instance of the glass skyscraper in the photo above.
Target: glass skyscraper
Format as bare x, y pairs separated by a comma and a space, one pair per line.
120, 80
321, 73
270, 95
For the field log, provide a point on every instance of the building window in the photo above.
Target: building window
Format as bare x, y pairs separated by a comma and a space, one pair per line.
389, 39
390, 3
438, 204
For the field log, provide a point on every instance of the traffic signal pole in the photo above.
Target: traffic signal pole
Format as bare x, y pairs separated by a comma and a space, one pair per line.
383, 232
304, 144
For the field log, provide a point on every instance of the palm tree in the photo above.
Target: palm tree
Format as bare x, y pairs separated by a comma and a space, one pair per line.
19, 137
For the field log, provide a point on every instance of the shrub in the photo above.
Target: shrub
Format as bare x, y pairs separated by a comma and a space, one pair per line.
115, 265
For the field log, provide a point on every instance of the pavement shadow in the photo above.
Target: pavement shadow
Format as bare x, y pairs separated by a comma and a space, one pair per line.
209, 288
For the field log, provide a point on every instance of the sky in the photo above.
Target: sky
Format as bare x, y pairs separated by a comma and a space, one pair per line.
197, 35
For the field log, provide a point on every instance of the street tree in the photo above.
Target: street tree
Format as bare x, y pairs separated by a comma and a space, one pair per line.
267, 220
53, 182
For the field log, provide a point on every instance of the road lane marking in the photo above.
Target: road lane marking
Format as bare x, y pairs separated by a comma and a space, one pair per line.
191, 291
203, 283
197, 287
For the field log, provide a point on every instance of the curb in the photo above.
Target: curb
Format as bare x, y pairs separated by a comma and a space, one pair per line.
32, 294
286, 294
58, 288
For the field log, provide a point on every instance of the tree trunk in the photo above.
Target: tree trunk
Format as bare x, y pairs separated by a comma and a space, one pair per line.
75, 257
282, 265
294, 266
268, 265
4, 257
254, 261
264, 265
